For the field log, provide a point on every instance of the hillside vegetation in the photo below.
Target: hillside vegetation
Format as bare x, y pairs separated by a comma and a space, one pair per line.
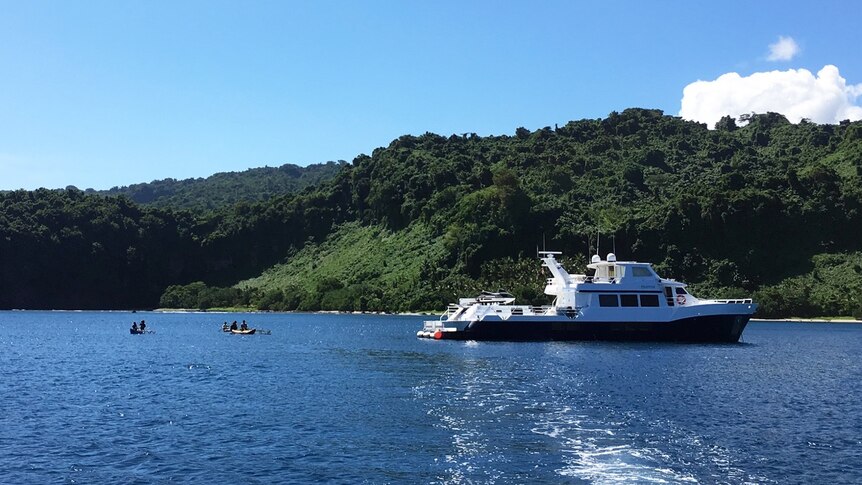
771, 209
227, 188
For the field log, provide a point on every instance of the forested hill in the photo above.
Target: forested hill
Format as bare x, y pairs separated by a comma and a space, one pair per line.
227, 188
771, 209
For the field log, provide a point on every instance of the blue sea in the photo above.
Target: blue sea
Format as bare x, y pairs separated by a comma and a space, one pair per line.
359, 399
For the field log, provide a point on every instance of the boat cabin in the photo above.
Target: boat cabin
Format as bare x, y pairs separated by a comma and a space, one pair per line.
613, 284
613, 271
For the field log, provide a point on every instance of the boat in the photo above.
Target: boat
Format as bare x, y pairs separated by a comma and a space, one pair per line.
135, 331
250, 331
620, 301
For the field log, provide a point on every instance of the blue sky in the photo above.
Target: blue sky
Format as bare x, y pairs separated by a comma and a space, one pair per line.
99, 94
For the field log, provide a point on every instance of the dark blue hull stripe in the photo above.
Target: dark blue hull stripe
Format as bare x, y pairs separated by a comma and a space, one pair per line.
713, 328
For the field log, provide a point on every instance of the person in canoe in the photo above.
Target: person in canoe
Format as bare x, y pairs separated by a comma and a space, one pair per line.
244, 326
143, 326
134, 326
225, 327
233, 325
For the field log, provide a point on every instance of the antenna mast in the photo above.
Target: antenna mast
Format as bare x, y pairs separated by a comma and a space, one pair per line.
598, 239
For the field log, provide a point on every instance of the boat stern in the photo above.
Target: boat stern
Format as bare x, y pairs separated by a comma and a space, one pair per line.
441, 329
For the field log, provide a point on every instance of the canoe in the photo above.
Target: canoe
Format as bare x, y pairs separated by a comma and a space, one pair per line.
244, 332
135, 332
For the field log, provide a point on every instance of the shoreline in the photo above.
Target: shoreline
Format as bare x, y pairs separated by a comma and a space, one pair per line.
807, 320
226, 311
435, 314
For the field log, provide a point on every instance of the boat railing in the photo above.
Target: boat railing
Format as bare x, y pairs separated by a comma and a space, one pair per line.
450, 310
432, 326
743, 301
540, 310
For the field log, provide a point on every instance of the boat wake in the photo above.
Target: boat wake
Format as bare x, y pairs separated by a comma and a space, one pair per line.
593, 451
632, 450
555, 427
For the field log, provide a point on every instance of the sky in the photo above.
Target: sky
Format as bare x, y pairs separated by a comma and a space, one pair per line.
99, 94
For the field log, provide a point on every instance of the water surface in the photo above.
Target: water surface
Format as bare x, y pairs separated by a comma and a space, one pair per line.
359, 399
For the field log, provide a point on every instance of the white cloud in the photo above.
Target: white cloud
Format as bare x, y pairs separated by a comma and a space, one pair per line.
797, 94
784, 50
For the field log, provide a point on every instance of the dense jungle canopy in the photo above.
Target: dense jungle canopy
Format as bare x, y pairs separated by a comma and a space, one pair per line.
769, 209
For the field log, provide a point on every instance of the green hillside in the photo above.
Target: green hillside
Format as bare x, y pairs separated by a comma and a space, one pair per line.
356, 268
769, 209
227, 188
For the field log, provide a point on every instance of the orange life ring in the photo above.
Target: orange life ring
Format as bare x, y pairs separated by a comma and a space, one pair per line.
680, 299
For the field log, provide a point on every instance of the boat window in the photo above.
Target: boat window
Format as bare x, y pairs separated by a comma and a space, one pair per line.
681, 291
649, 300
608, 300
640, 271
668, 291
628, 300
